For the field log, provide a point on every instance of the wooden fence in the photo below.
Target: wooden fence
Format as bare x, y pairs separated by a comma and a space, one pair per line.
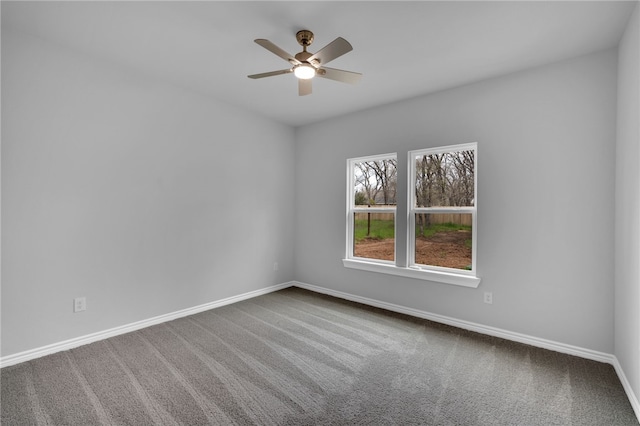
457, 218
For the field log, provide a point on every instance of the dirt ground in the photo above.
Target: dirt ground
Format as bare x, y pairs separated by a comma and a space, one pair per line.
446, 249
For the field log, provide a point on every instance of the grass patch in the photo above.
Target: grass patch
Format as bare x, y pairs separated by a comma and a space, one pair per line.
430, 231
383, 229
441, 227
379, 229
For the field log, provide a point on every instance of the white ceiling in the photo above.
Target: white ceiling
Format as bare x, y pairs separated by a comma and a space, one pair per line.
404, 49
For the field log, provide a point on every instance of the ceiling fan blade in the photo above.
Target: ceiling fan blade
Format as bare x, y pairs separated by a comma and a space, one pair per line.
270, 74
304, 87
331, 51
339, 75
275, 49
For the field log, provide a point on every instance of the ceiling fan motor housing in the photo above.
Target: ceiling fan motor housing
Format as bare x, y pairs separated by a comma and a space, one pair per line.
304, 37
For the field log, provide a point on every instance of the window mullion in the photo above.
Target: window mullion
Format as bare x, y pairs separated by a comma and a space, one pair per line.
402, 259
373, 210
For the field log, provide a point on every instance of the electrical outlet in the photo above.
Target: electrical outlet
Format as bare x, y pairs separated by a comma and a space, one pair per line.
79, 304
275, 266
488, 297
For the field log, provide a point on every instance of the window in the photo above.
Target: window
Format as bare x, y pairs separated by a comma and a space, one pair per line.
371, 216
435, 237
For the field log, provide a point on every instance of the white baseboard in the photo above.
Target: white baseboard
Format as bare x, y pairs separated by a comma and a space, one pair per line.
101, 335
633, 398
491, 331
467, 325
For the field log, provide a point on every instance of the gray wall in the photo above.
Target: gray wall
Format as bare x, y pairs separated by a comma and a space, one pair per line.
144, 198
546, 156
140, 197
627, 242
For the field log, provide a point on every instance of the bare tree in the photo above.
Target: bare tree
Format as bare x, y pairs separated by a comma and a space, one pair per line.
378, 180
446, 180
375, 181
364, 175
386, 174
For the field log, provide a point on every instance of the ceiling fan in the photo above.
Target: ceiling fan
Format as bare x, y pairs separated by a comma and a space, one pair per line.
306, 65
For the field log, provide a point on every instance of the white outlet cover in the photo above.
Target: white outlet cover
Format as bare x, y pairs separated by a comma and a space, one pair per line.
79, 304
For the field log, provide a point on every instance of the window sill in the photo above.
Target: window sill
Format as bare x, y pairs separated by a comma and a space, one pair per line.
421, 274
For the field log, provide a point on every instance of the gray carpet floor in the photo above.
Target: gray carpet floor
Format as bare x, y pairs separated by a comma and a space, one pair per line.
295, 357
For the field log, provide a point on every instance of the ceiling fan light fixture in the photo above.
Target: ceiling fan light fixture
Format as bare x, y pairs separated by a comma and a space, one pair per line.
304, 71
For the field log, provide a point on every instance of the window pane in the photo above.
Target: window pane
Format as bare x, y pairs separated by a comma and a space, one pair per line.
444, 239
445, 179
374, 235
375, 182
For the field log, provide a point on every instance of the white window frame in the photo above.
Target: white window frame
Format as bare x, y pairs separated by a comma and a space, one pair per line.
404, 254
352, 209
413, 210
